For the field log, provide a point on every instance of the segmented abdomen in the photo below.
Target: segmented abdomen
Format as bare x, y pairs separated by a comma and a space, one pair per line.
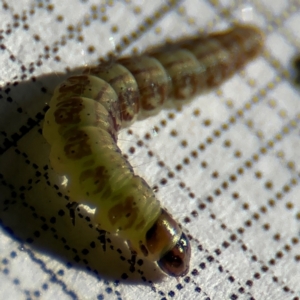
86, 112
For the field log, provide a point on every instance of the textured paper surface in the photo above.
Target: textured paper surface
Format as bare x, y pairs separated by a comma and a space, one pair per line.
227, 166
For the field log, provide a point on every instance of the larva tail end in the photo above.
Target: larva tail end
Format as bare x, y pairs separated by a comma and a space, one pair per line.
254, 39
176, 261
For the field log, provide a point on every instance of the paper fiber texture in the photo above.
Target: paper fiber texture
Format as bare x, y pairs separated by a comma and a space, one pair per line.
226, 166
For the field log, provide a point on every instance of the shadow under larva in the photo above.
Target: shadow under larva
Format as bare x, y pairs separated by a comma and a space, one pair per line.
87, 111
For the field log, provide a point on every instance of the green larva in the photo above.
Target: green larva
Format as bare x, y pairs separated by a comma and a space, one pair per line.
87, 111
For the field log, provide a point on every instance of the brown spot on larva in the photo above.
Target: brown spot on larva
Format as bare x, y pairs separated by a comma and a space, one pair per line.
75, 85
68, 111
77, 145
152, 81
126, 206
182, 66
100, 177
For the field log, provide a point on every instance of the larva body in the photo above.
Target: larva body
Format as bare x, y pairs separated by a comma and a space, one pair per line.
87, 111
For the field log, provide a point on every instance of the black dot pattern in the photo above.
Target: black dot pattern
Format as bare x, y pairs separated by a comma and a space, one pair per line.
226, 165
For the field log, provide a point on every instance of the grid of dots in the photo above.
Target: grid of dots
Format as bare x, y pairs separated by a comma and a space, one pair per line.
230, 156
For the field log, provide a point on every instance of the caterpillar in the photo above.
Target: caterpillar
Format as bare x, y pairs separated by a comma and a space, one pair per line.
87, 111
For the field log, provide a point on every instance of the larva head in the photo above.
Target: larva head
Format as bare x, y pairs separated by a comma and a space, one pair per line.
176, 261
166, 241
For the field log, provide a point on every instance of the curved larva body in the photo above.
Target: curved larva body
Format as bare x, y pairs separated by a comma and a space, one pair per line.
86, 112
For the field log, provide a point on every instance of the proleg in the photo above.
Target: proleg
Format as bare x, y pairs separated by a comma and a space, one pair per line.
87, 111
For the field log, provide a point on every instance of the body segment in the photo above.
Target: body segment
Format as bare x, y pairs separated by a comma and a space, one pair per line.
87, 111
